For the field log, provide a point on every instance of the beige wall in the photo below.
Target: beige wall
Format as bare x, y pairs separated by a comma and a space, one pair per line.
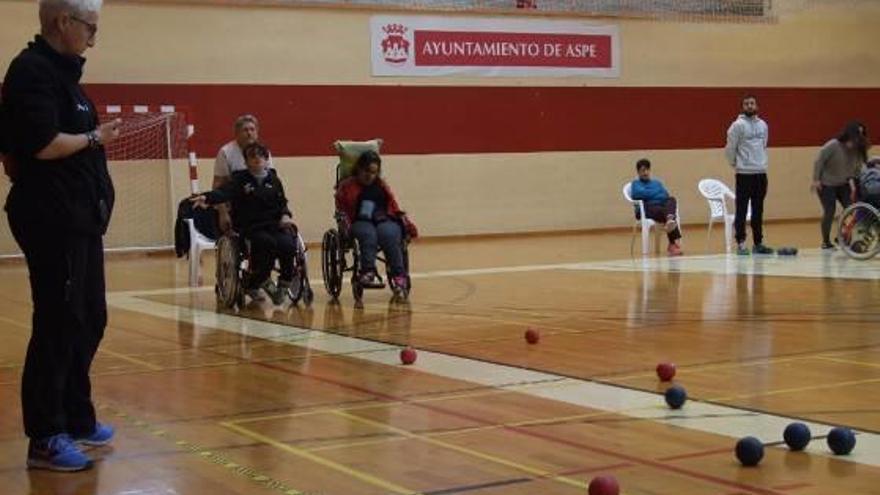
825, 45
474, 194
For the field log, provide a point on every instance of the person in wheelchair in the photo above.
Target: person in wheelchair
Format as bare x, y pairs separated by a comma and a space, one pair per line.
261, 216
371, 215
869, 182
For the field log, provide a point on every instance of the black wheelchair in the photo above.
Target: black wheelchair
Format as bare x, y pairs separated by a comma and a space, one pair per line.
233, 260
340, 253
858, 231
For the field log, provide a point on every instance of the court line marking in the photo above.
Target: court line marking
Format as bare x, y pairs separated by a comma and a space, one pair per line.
204, 453
327, 463
104, 350
482, 392
470, 429
463, 450
699, 416
847, 361
823, 266
795, 389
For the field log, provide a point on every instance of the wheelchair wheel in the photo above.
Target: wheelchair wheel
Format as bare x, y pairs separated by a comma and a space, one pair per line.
229, 288
332, 262
301, 289
859, 231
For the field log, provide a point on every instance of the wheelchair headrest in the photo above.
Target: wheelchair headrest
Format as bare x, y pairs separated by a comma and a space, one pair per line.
350, 151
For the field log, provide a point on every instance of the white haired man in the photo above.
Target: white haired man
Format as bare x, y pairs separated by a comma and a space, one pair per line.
231, 159
58, 210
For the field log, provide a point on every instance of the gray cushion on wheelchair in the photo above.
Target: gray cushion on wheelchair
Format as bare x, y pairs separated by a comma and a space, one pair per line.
350, 151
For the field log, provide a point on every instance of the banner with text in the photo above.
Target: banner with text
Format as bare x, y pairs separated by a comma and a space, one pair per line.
439, 46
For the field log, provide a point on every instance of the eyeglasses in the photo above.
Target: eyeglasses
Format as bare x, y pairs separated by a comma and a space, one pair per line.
93, 28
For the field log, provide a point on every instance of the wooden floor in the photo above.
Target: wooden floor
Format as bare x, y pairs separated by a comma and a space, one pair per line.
311, 401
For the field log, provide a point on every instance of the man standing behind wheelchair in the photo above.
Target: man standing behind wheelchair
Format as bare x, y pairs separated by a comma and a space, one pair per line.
375, 219
260, 214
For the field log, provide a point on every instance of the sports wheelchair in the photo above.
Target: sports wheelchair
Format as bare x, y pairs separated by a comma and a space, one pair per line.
340, 252
233, 260
858, 231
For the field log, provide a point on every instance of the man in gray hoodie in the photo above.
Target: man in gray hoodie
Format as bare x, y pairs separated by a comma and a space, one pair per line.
746, 151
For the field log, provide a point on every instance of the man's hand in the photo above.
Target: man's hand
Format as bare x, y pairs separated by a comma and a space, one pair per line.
109, 131
816, 186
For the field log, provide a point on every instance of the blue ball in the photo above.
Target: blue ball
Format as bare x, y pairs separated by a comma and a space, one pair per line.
797, 436
749, 451
676, 397
841, 440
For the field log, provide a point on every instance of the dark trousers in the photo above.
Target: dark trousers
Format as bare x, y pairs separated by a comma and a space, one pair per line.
70, 313
750, 188
267, 245
389, 236
829, 196
660, 212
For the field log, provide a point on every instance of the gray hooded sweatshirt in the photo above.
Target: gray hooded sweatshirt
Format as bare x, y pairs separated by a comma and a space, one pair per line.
746, 148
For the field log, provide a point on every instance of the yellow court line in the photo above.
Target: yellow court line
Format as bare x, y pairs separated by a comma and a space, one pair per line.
15, 323
847, 361
487, 391
704, 367
201, 452
463, 431
464, 450
795, 389
130, 359
124, 357
354, 473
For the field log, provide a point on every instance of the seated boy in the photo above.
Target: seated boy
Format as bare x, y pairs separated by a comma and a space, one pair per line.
869, 182
260, 215
659, 205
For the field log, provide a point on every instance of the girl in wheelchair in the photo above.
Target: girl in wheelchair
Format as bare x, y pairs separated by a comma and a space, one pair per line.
260, 214
372, 215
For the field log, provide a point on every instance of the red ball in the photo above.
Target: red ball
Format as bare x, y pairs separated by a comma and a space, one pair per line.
665, 371
532, 336
408, 356
604, 485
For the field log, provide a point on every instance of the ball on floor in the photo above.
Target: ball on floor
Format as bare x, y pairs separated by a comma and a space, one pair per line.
749, 451
675, 397
532, 336
797, 436
841, 440
408, 356
665, 372
604, 485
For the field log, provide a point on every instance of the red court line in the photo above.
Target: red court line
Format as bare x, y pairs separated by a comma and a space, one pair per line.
793, 486
593, 469
695, 454
523, 431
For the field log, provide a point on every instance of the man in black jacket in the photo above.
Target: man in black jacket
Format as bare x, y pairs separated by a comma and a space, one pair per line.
58, 210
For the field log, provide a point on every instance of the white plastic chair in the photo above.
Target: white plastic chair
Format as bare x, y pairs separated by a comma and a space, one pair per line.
645, 223
198, 242
717, 193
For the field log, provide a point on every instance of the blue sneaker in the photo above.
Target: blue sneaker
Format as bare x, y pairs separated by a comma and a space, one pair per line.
102, 436
57, 453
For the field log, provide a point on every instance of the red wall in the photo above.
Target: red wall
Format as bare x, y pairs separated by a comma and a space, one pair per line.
305, 120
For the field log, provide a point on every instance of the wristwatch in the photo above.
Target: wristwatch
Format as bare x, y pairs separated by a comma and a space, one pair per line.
94, 139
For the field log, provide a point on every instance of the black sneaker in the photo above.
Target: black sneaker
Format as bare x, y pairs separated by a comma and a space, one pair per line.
827, 246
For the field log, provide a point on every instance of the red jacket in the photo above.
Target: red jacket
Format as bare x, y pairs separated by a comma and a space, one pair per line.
349, 190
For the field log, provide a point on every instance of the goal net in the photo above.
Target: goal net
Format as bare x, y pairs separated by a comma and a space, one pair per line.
148, 164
